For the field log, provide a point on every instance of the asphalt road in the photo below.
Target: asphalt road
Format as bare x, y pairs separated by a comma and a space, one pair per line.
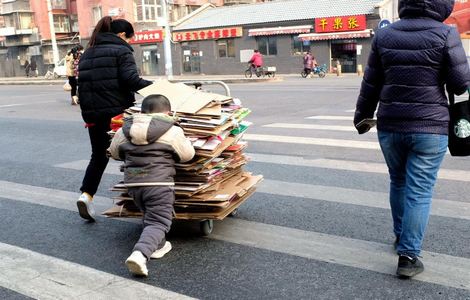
319, 226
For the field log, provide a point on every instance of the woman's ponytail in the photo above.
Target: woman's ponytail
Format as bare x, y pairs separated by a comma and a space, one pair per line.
103, 25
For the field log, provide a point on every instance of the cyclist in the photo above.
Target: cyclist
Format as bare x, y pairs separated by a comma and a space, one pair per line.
256, 61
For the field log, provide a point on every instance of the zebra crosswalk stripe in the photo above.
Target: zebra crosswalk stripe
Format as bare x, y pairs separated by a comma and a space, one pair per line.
341, 143
440, 207
315, 127
348, 165
441, 269
41, 276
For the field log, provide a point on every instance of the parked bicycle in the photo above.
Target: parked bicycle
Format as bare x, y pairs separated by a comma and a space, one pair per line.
318, 70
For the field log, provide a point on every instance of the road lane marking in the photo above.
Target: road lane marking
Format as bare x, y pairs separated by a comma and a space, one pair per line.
41, 276
315, 127
331, 118
441, 269
347, 165
26, 104
342, 143
440, 207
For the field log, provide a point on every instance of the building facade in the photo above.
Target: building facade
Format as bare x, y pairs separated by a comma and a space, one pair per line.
25, 33
221, 40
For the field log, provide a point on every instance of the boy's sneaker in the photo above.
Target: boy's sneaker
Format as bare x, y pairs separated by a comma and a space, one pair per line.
85, 207
409, 266
137, 264
159, 253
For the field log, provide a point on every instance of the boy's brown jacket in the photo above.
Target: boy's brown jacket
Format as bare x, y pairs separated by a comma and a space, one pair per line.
149, 145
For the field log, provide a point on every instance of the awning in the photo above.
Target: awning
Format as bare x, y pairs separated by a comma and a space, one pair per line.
335, 35
280, 30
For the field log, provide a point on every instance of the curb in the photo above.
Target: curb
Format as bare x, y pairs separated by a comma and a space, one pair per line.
228, 80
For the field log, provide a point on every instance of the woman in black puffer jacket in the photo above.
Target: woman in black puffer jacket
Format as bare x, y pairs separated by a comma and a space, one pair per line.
410, 64
108, 79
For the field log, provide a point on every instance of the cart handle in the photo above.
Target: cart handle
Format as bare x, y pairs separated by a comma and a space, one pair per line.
210, 82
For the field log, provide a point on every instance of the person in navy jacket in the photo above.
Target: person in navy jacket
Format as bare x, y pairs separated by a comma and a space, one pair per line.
411, 64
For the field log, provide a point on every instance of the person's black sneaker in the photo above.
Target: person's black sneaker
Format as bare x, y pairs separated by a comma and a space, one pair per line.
409, 266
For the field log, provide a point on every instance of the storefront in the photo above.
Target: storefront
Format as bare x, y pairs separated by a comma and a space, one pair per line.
148, 51
217, 42
191, 53
347, 36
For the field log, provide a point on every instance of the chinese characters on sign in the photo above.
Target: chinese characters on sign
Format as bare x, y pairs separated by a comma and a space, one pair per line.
339, 24
207, 34
144, 37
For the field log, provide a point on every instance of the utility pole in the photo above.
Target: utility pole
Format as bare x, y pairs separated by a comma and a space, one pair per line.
167, 41
55, 50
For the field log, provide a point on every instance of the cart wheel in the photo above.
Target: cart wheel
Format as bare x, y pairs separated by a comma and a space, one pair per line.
303, 74
248, 74
321, 74
206, 227
234, 213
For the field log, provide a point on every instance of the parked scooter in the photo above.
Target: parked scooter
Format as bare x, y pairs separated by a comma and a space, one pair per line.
317, 70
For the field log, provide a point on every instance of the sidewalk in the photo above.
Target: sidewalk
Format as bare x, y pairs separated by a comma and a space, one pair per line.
40, 80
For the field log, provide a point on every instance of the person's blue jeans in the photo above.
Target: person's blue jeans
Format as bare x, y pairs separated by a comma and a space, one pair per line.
413, 160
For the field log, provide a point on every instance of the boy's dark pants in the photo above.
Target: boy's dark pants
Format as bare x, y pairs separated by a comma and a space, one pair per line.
156, 202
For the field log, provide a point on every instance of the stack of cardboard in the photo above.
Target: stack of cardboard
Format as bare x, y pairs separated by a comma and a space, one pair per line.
213, 184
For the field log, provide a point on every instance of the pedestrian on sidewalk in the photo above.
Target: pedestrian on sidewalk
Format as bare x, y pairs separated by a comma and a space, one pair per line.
34, 67
71, 64
409, 64
107, 79
308, 63
27, 67
149, 143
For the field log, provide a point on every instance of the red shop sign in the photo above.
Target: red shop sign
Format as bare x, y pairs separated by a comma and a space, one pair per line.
150, 36
207, 34
339, 24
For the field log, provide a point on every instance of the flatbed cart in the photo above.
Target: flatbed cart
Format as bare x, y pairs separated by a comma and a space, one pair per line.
206, 219
206, 222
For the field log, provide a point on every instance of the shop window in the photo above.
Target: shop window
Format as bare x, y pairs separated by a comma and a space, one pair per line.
299, 47
61, 23
226, 48
148, 10
267, 45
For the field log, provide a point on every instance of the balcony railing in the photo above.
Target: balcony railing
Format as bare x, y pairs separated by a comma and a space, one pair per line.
232, 2
7, 31
15, 6
10, 31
